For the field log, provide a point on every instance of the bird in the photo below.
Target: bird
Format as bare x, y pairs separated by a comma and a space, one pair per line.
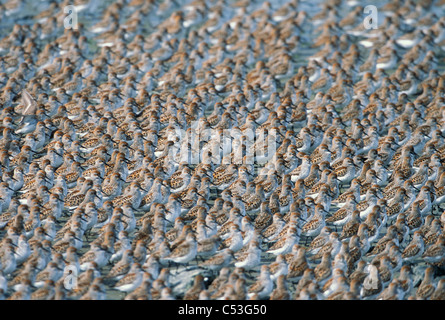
285, 244
342, 216
131, 280
314, 226
263, 285
433, 253
210, 140
427, 285
195, 290
121, 268
219, 260
319, 241
185, 252
415, 249
251, 258
438, 292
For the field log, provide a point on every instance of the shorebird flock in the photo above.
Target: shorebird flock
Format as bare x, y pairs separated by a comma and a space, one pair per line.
218, 149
